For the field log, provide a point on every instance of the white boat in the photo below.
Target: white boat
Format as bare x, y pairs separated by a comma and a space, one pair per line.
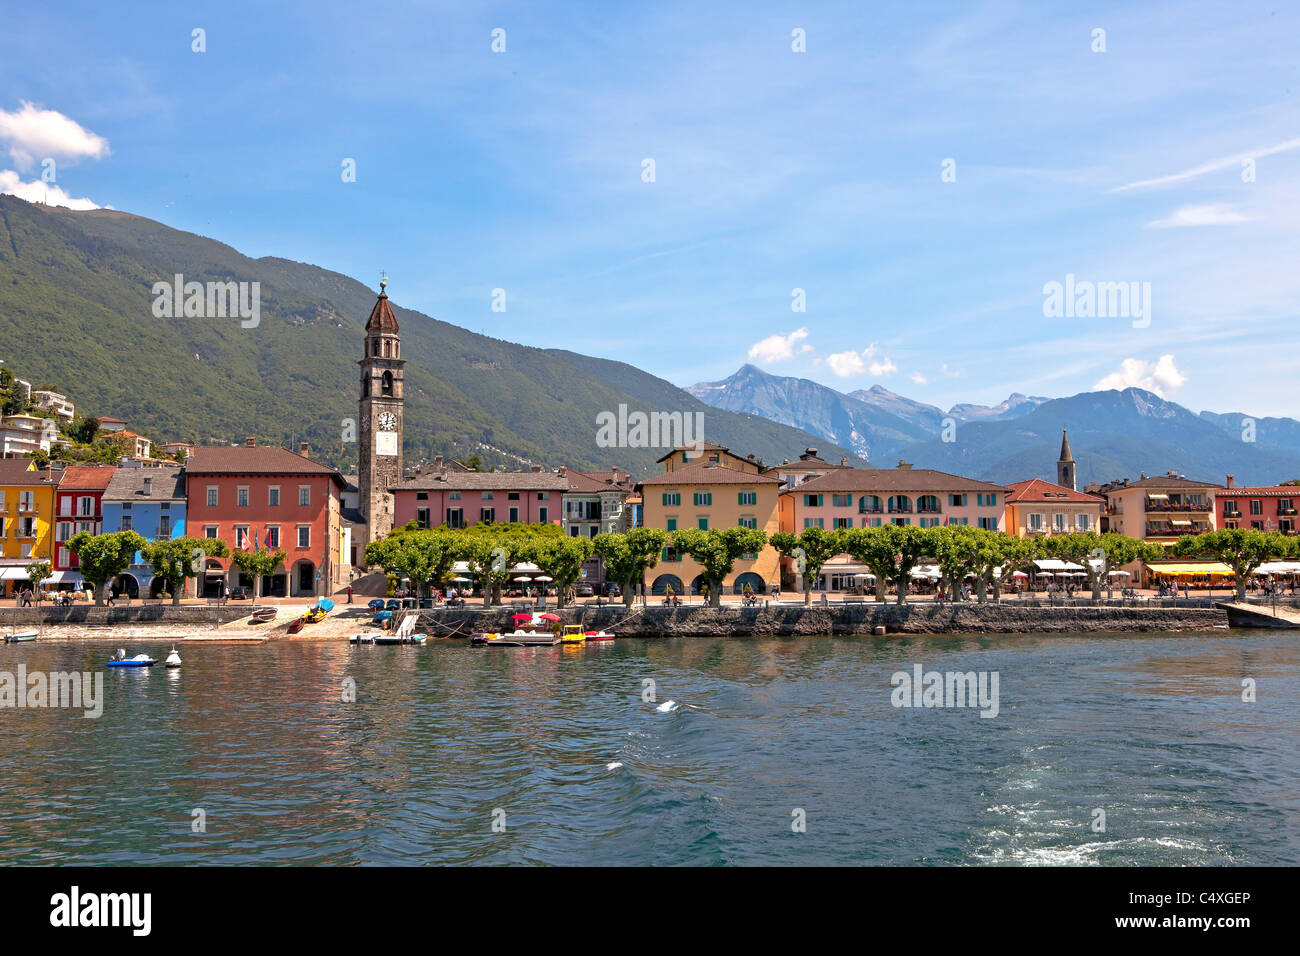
405, 633
22, 637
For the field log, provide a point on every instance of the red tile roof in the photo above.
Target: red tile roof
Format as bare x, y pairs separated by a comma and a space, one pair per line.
86, 477
1038, 490
1260, 491
255, 460
705, 473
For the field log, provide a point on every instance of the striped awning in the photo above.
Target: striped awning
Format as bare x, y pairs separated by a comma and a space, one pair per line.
1190, 570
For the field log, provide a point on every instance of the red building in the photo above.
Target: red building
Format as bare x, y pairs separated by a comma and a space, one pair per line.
1265, 508
269, 498
78, 507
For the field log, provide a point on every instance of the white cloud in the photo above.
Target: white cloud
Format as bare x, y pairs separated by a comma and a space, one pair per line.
36, 191
32, 133
1213, 166
847, 364
918, 378
779, 348
951, 373
1210, 214
1161, 376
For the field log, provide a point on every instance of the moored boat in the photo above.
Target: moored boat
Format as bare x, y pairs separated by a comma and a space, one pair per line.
21, 637
140, 660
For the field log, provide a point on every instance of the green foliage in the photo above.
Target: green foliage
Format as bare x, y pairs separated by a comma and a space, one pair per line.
1242, 549
257, 564
560, 557
422, 556
1100, 553
716, 551
629, 555
37, 572
102, 557
890, 551
810, 550
176, 559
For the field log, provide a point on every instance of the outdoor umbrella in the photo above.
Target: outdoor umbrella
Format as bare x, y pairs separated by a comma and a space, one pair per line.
549, 617
461, 580
543, 577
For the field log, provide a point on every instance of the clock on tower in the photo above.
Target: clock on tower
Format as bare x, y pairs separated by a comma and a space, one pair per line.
381, 407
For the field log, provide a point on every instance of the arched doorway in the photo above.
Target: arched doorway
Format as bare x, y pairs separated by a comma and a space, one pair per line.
697, 585
214, 579
665, 581
755, 583
126, 585
157, 585
303, 580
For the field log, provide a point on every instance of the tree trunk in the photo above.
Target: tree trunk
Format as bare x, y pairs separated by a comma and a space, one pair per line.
902, 588
997, 590
807, 592
982, 583
715, 595
1241, 588
176, 591
1096, 586
99, 594
880, 590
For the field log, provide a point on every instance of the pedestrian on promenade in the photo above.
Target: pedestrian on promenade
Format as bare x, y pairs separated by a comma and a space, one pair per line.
349, 594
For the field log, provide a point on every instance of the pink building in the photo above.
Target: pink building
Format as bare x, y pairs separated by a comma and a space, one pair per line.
460, 498
871, 497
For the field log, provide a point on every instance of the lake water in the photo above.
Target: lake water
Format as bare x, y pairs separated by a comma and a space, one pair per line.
774, 751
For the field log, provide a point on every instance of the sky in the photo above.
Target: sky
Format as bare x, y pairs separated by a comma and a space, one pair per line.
859, 194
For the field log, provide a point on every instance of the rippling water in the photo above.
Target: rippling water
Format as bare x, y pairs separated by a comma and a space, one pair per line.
559, 746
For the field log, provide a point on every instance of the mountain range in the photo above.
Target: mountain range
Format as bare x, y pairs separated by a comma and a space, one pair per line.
1113, 434
76, 315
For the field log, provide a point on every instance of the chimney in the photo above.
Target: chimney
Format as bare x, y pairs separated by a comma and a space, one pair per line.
904, 465
844, 463
1229, 482
749, 457
250, 441
534, 468
1171, 473
437, 461
304, 449
148, 486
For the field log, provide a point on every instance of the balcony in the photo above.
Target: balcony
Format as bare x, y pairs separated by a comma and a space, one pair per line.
1234, 513
866, 510
1156, 531
1286, 512
900, 511
1176, 507
929, 511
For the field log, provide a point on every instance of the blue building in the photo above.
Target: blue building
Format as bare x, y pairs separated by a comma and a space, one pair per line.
150, 502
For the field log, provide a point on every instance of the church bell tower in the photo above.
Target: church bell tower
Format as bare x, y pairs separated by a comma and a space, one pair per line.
1065, 465
381, 413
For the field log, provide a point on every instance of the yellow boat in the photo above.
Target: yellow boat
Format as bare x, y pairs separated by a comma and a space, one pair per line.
573, 634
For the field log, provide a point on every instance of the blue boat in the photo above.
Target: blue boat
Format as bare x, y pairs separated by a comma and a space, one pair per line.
140, 660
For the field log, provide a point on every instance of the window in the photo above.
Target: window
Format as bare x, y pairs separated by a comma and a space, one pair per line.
273, 496
514, 515
871, 522
988, 500
512, 496
304, 495
842, 501
422, 517
273, 536
453, 496
304, 536
455, 517
672, 524
65, 505
86, 506
839, 522
747, 498
1035, 522
25, 501
703, 498
209, 531
703, 524
960, 521
241, 537
212, 496
928, 504
62, 531
541, 515
1081, 522
487, 515
748, 522
900, 503
573, 531
989, 524
812, 501
543, 496
868, 503
486, 495
126, 506
1058, 522
814, 522
1256, 506
241, 496
126, 522
672, 498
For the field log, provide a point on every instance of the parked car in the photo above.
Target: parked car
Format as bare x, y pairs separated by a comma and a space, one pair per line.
584, 590
238, 594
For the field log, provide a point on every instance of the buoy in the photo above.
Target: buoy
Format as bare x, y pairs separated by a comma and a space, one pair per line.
173, 659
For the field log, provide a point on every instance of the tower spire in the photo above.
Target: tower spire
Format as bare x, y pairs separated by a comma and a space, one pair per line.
1065, 464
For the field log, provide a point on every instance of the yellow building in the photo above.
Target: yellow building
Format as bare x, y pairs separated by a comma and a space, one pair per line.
706, 494
26, 520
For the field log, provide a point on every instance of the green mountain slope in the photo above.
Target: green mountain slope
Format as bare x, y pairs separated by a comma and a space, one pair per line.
76, 311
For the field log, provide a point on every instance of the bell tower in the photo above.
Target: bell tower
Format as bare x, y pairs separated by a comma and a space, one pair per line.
381, 413
1065, 465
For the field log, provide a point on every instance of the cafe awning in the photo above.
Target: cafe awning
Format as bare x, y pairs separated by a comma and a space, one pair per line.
1190, 570
1055, 564
13, 574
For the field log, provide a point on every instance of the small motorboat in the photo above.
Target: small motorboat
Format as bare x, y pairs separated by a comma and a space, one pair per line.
173, 659
405, 633
263, 614
573, 634
21, 637
601, 635
140, 660
297, 625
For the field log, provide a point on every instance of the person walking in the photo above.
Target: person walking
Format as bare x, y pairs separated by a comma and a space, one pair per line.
349, 594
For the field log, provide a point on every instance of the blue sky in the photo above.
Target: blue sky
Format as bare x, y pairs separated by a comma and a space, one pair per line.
774, 171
